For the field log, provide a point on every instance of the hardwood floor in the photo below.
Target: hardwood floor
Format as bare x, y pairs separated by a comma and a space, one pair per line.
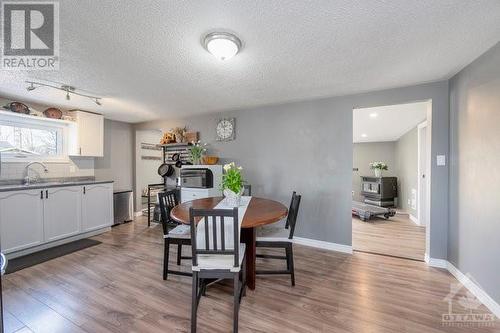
117, 286
398, 237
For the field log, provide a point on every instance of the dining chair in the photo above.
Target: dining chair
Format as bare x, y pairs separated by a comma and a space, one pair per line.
180, 235
217, 254
287, 245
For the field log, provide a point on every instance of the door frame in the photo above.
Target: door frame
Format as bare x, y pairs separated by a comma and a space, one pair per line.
421, 181
429, 125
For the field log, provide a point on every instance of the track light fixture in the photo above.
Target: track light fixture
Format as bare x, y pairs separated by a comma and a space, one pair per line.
66, 88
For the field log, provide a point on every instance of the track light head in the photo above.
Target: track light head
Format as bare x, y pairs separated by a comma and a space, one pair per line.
67, 95
31, 87
98, 102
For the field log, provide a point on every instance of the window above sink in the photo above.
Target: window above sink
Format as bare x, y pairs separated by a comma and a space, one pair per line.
25, 138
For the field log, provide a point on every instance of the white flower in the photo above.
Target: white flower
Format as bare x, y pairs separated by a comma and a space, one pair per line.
227, 167
240, 168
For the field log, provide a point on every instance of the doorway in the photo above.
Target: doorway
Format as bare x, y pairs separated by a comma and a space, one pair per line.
391, 182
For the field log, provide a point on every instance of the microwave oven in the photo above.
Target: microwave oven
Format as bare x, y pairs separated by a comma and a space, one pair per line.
197, 178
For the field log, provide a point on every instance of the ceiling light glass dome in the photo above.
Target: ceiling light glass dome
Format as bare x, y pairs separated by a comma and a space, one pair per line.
222, 45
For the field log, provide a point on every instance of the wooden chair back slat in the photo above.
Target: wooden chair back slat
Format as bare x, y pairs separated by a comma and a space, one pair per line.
287, 224
293, 212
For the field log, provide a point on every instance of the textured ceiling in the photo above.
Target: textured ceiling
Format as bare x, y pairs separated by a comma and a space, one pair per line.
145, 56
383, 127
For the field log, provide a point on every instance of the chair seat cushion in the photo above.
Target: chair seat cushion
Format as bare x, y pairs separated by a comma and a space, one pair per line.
217, 261
181, 231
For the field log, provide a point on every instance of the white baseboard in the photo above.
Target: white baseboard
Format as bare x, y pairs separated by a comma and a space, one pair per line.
313, 243
438, 263
475, 289
413, 219
468, 283
323, 245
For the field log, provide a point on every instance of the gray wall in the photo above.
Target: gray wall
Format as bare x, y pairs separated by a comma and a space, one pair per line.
307, 146
118, 160
406, 151
365, 153
474, 227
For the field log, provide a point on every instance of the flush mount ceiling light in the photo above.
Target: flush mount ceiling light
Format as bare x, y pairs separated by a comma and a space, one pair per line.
373, 115
66, 88
222, 45
364, 135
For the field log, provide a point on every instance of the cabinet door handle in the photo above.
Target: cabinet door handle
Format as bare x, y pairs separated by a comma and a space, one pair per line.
46, 194
41, 194
84, 190
80, 151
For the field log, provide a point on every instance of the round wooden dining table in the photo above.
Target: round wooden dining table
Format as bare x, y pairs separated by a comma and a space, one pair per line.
259, 212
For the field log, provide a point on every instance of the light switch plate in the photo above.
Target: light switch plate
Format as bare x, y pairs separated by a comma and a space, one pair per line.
72, 169
441, 160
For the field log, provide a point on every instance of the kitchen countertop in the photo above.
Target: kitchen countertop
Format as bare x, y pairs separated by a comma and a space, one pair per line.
48, 183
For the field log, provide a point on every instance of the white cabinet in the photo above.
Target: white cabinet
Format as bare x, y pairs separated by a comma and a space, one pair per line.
62, 212
97, 206
34, 219
21, 219
88, 139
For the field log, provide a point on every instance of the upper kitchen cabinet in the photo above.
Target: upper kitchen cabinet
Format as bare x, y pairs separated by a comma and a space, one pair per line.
88, 139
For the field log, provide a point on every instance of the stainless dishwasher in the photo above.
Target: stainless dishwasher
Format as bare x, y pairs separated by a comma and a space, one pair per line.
123, 206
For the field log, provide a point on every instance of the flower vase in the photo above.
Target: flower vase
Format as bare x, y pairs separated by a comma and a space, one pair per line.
378, 173
232, 199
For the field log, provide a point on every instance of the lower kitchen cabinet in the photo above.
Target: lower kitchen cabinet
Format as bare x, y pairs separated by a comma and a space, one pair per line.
32, 218
97, 206
21, 220
62, 212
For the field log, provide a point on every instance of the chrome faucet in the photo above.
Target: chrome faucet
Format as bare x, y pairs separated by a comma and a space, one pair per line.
27, 178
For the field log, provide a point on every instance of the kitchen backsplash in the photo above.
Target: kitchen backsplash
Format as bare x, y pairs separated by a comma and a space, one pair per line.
78, 167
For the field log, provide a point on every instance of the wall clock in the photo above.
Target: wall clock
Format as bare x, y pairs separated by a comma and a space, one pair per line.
225, 129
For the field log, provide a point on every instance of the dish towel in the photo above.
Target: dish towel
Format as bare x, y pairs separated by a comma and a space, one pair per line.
228, 226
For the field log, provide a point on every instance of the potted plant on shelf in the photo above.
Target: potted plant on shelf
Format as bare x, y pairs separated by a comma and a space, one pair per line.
377, 167
232, 184
196, 152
